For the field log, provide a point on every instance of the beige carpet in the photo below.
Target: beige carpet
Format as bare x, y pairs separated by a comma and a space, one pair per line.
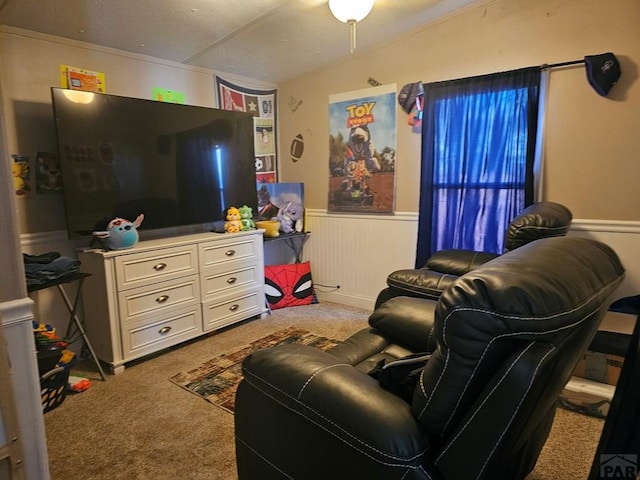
139, 426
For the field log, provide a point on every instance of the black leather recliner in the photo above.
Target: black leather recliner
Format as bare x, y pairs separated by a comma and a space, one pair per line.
504, 340
540, 220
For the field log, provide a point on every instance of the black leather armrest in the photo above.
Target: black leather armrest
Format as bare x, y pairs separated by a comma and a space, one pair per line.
408, 320
441, 270
299, 390
420, 282
458, 262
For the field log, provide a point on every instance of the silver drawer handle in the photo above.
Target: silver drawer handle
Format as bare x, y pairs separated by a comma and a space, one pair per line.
234, 307
162, 298
164, 330
230, 253
232, 280
159, 267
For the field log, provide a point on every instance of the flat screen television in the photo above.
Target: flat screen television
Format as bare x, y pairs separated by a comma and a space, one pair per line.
179, 165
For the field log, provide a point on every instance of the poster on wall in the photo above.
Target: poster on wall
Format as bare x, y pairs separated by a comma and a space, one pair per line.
80, 79
48, 173
169, 96
20, 171
362, 150
262, 104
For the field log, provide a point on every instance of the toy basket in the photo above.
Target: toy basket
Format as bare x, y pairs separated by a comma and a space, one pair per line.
53, 387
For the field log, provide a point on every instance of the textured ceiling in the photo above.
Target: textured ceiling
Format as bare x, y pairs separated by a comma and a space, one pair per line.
271, 40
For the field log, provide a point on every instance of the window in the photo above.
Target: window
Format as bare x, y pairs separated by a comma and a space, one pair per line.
478, 150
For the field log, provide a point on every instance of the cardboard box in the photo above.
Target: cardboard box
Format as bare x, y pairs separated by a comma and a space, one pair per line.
591, 389
606, 367
599, 367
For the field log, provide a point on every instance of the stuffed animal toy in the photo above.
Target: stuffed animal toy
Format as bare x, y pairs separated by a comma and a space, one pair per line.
246, 218
233, 223
121, 233
291, 217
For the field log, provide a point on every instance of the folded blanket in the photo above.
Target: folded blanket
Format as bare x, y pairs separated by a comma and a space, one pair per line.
39, 273
42, 258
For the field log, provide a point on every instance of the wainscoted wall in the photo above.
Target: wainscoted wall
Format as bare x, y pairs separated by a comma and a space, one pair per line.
624, 238
356, 253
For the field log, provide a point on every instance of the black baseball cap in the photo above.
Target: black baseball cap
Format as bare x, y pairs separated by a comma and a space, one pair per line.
409, 94
603, 72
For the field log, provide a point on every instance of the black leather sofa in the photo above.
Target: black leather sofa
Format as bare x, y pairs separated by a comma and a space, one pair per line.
504, 339
539, 220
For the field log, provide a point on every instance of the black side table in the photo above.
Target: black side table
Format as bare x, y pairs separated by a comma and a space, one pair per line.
74, 320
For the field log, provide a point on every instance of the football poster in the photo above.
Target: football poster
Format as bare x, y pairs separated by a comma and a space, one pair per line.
362, 150
262, 104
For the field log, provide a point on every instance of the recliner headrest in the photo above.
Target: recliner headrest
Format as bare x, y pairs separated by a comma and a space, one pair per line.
540, 220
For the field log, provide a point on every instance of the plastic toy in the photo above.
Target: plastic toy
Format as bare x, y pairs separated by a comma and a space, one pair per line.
246, 218
78, 384
271, 228
233, 223
45, 337
120, 233
291, 217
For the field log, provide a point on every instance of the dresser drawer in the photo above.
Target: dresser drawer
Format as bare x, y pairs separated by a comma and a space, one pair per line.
149, 267
221, 252
217, 314
143, 302
179, 325
240, 275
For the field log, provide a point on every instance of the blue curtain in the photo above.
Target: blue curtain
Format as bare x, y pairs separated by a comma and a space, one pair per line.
478, 147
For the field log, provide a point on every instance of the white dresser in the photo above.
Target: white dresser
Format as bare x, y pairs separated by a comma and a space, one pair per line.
165, 291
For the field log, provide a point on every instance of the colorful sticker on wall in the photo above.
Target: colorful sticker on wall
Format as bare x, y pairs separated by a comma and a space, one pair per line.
76, 78
169, 96
48, 174
262, 105
20, 170
362, 146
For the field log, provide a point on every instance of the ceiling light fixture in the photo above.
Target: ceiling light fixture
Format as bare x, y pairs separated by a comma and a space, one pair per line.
351, 12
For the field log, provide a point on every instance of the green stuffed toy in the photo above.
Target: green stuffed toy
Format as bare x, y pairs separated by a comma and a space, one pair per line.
246, 217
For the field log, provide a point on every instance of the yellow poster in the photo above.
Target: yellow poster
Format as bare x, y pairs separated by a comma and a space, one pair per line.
80, 79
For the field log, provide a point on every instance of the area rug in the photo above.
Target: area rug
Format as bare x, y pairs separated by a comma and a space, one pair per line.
217, 380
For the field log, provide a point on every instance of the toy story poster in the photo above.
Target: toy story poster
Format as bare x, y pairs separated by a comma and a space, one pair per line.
262, 104
362, 150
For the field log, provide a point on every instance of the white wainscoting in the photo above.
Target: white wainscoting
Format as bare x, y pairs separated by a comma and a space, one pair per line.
624, 238
357, 252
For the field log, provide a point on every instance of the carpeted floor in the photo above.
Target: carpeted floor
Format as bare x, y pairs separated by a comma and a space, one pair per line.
139, 425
